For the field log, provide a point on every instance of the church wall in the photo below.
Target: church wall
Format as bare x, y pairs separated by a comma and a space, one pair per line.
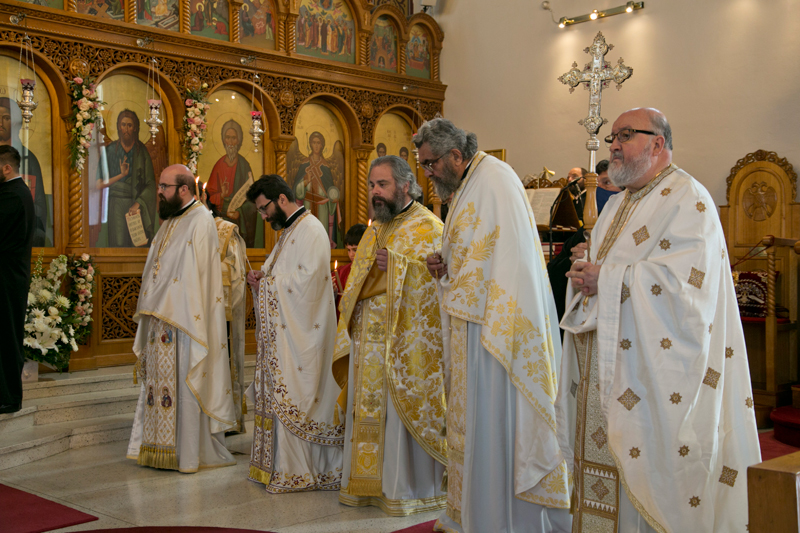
721, 70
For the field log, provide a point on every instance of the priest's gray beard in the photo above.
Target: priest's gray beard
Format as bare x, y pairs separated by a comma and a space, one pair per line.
625, 173
386, 209
448, 183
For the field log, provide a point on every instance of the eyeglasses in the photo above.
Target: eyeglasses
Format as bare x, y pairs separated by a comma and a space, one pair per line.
429, 165
164, 186
626, 134
263, 208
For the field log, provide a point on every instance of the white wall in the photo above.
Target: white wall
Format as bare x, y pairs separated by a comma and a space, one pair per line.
725, 72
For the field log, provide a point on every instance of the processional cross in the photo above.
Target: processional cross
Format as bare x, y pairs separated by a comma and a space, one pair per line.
597, 76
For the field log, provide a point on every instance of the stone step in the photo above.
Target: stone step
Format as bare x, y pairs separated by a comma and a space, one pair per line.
70, 407
22, 419
78, 384
34, 443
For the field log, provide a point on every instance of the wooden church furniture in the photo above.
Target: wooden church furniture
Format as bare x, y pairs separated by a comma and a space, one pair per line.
761, 189
773, 495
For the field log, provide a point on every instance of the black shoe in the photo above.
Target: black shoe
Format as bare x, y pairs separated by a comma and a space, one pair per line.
10, 408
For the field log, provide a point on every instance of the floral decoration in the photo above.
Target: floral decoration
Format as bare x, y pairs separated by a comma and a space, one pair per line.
86, 112
194, 125
55, 324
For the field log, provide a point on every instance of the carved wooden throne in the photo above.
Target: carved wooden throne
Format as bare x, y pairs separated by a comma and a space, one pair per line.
761, 192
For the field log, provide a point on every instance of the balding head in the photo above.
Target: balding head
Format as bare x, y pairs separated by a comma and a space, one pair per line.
181, 177
646, 152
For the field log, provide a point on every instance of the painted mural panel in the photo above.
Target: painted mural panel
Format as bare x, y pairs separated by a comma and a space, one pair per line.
393, 137
316, 168
55, 4
383, 45
124, 164
209, 18
107, 9
33, 143
258, 24
164, 14
418, 53
229, 162
326, 30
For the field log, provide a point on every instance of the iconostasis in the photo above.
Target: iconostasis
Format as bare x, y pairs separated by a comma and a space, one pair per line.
331, 84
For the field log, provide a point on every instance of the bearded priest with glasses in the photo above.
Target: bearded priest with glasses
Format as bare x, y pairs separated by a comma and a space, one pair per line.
297, 445
655, 409
185, 404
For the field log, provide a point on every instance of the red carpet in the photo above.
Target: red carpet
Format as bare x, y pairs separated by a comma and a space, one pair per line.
425, 527
771, 448
177, 529
22, 512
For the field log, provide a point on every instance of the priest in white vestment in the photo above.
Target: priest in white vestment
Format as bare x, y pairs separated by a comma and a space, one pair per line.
388, 357
505, 469
185, 404
655, 406
297, 445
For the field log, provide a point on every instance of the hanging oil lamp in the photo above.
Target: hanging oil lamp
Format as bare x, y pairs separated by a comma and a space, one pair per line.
256, 130
27, 104
154, 120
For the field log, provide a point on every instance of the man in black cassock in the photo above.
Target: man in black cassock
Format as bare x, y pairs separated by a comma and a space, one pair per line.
17, 223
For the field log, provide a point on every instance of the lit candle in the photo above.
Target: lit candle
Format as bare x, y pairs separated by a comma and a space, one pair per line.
196, 186
339, 287
369, 222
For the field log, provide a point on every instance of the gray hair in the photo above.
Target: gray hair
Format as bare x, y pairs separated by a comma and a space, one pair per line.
401, 173
443, 136
661, 127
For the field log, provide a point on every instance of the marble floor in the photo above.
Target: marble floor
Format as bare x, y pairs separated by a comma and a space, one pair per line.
100, 481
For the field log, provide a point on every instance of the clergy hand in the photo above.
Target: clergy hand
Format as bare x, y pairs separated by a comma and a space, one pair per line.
233, 215
578, 252
134, 209
436, 267
253, 276
584, 277
382, 259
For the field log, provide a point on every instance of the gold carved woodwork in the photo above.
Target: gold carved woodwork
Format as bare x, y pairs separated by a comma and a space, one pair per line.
362, 156
762, 155
759, 201
71, 5
435, 65
192, 82
235, 7
79, 67
185, 23
281, 149
119, 297
401, 55
130, 11
363, 48
75, 209
291, 33
280, 32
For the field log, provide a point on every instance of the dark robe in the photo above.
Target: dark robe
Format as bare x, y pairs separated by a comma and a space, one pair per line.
17, 223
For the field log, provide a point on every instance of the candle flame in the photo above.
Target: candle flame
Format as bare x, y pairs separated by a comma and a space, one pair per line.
335, 264
369, 222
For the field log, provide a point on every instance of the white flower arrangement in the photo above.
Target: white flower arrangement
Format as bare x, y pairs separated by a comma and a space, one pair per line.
86, 112
194, 125
55, 324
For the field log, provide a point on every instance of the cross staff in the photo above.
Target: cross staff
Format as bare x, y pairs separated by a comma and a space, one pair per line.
596, 75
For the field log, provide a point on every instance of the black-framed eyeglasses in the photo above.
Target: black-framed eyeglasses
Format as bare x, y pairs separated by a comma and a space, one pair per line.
625, 135
165, 186
429, 165
263, 208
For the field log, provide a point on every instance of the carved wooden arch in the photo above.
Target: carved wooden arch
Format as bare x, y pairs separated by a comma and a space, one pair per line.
395, 14
414, 117
762, 155
270, 115
169, 91
351, 122
57, 86
436, 33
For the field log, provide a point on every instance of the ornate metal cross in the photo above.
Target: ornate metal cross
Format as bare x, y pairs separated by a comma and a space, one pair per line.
596, 75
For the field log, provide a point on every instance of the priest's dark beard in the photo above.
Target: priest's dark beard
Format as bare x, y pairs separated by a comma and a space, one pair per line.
385, 210
167, 208
278, 220
628, 172
448, 183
